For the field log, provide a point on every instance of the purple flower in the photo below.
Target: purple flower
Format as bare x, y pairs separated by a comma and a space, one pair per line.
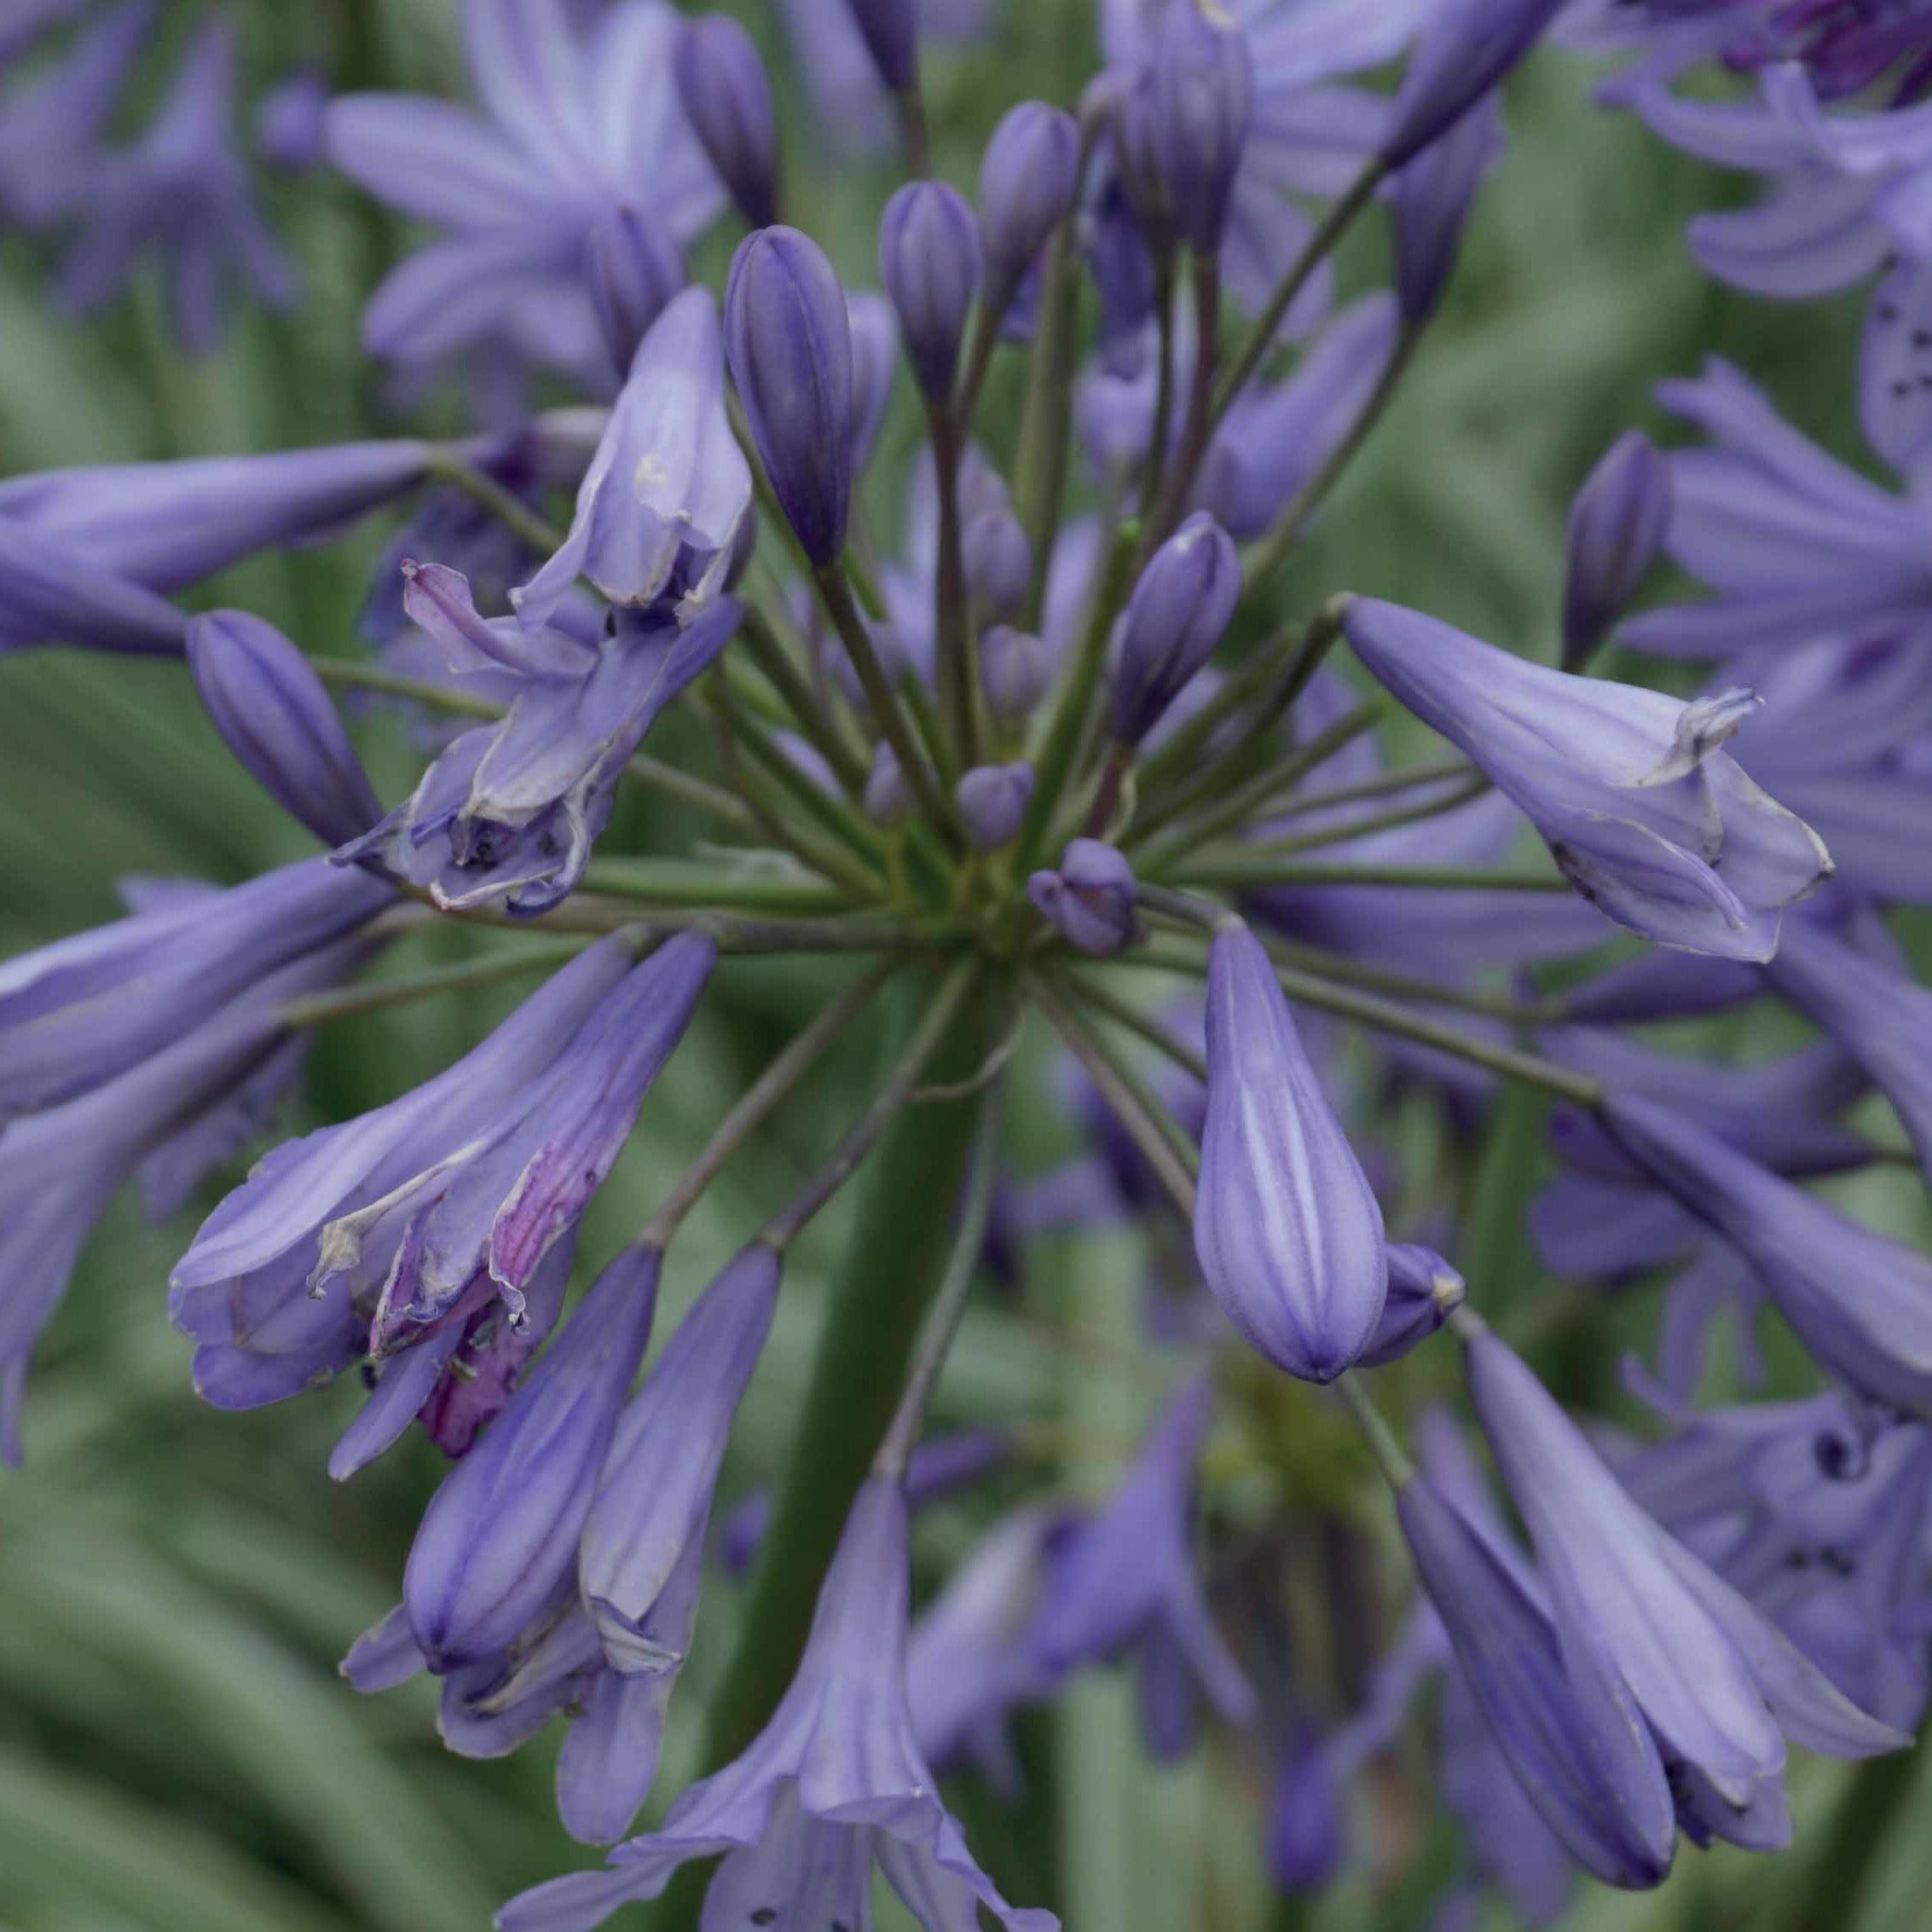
1197, 112
165, 525
511, 811
275, 716
789, 340
1467, 48
169, 1114
632, 266
890, 30
1652, 823
182, 191
929, 262
668, 492
79, 1012
1424, 1292
1090, 899
411, 1230
968, 1663
1125, 1580
1433, 196
1015, 673
1861, 1303
726, 96
1027, 179
502, 1531
834, 1783
1617, 527
50, 125
1795, 543
1178, 612
1287, 1227
579, 123
51, 592
992, 800
1649, 1634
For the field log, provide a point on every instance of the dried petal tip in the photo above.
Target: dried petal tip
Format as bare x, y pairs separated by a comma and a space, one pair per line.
1287, 1227
788, 339
726, 96
1016, 669
1091, 899
1617, 525
929, 262
1199, 101
1424, 1292
633, 266
1177, 615
1027, 186
268, 705
992, 800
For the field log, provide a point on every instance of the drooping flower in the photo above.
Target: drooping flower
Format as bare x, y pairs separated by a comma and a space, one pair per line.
1465, 50
1434, 194
1287, 1227
417, 1230
580, 122
1617, 525
726, 96
1648, 1633
834, 1784
1650, 822
183, 191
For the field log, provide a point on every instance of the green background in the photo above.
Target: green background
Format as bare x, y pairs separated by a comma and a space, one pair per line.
176, 1752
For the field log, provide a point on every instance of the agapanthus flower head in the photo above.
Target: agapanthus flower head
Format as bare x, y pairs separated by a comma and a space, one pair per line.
1617, 526
1028, 180
929, 262
579, 118
726, 96
1090, 898
1287, 1228
275, 716
182, 190
1178, 612
1655, 826
790, 342
834, 1784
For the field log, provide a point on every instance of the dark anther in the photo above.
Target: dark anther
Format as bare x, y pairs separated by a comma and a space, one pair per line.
764, 1915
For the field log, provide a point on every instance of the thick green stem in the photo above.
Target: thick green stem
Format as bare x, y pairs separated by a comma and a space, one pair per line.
897, 1247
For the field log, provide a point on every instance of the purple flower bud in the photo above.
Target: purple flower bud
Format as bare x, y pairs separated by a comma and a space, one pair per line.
633, 266
1177, 615
999, 560
1016, 670
1433, 195
502, 1533
726, 96
289, 124
929, 261
1617, 525
1424, 1292
887, 799
788, 339
1200, 101
890, 30
1467, 48
1306, 1834
1091, 899
992, 800
271, 707
1028, 182
1287, 1227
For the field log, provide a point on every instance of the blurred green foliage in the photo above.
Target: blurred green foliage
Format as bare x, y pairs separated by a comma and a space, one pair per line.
177, 1753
